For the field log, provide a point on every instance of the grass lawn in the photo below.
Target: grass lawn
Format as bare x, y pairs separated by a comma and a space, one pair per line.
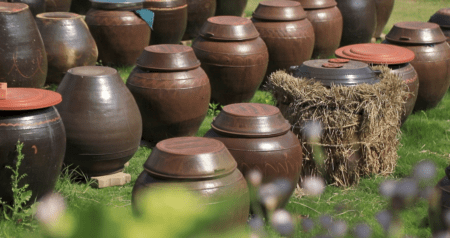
424, 136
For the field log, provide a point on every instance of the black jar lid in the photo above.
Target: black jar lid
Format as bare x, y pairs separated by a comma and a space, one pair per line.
281, 10
168, 57
441, 17
336, 72
228, 28
317, 4
117, 4
415, 32
158, 4
190, 158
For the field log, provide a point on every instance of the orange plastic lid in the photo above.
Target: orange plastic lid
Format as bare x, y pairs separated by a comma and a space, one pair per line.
376, 53
20, 99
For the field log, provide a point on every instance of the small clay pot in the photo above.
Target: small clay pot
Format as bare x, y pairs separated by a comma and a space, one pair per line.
230, 7
198, 12
58, 5
384, 10
68, 43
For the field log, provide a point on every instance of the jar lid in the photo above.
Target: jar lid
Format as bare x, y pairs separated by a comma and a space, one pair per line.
415, 32
376, 53
441, 17
168, 57
117, 4
9, 8
349, 73
190, 158
21, 99
279, 11
250, 120
228, 28
165, 3
91, 72
317, 4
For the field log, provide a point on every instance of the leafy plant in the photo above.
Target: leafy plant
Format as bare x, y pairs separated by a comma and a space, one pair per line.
213, 109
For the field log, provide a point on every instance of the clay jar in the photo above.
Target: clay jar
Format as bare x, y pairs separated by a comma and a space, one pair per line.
28, 115
395, 57
58, 5
384, 10
289, 36
230, 7
198, 12
203, 166
119, 33
259, 137
102, 120
442, 18
67, 41
432, 61
360, 20
80, 6
327, 22
170, 20
233, 56
437, 212
36, 6
23, 62
171, 90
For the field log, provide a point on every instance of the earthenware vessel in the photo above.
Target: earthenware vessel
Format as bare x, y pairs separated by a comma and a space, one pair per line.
203, 166
58, 5
360, 20
395, 57
171, 91
287, 32
67, 41
170, 20
198, 12
80, 6
102, 120
121, 35
36, 6
384, 10
432, 61
442, 18
259, 137
230, 7
437, 212
28, 115
23, 62
233, 56
327, 22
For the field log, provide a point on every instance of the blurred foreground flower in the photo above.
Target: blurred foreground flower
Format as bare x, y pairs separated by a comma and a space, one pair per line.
313, 185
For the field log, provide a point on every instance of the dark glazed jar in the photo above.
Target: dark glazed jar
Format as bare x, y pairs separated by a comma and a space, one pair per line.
230, 7
28, 115
67, 41
432, 61
170, 20
289, 36
171, 91
259, 137
36, 6
120, 34
360, 20
102, 120
233, 56
327, 22
203, 166
80, 6
384, 10
442, 18
395, 57
198, 12
437, 213
58, 5
23, 62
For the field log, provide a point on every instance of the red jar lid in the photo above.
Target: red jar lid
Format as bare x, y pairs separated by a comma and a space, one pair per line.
317, 4
228, 28
281, 10
376, 53
21, 99
168, 57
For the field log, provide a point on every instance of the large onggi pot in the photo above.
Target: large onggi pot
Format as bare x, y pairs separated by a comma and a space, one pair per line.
171, 91
67, 41
102, 120
23, 62
36, 6
198, 12
230, 7
80, 6
384, 10
360, 20
27, 115
58, 5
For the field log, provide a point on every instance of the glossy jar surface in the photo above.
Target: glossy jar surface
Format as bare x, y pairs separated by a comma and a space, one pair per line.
23, 62
359, 21
36, 6
120, 35
170, 20
58, 5
44, 143
407, 73
102, 120
230, 7
68, 43
198, 12
438, 214
384, 10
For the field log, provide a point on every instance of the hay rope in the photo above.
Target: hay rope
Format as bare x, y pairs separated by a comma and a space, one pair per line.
361, 124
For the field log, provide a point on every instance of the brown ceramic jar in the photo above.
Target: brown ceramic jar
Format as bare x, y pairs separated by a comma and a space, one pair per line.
233, 56
67, 41
23, 62
384, 10
259, 137
36, 6
230, 7
80, 6
442, 18
58, 5
287, 32
203, 166
432, 61
327, 22
170, 20
171, 91
120, 34
198, 12
102, 120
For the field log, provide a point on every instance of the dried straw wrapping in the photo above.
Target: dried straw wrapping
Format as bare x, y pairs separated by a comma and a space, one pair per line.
361, 124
